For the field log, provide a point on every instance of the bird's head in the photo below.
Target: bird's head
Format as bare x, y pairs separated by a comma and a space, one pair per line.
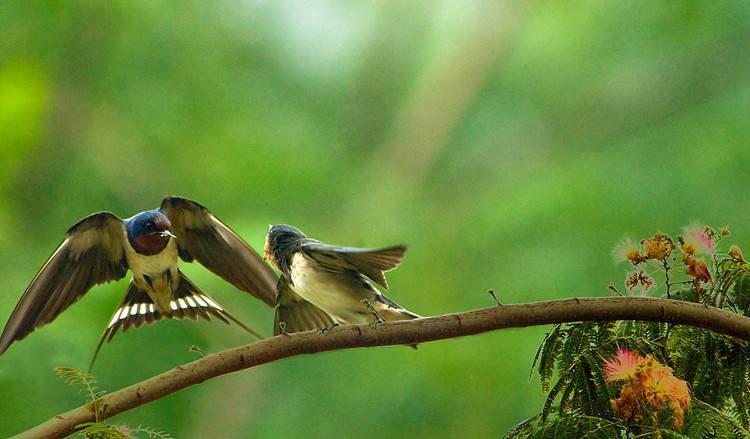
282, 242
149, 231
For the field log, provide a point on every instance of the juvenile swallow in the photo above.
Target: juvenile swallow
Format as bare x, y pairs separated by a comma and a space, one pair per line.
323, 285
102, 248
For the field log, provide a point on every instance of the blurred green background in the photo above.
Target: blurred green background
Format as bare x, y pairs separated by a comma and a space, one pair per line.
509, 144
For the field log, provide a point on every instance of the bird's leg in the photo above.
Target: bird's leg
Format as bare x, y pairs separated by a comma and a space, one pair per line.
379, 318
282, 328
170, 281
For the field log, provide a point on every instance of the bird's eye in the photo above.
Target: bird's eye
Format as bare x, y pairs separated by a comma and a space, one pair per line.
150, 224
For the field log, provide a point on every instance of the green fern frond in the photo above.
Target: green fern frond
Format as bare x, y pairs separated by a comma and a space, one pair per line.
706, 421
573, 425
151, 432
551, 397
88, 387
86, 381
96, 430
547, 354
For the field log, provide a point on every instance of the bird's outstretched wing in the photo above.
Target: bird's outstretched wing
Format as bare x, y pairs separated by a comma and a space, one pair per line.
188, 301
296, 313
92, 253
372, 262
203, 237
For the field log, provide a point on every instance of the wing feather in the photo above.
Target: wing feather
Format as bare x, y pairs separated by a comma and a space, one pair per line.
372, 262
296, 313
203, 237
92, 253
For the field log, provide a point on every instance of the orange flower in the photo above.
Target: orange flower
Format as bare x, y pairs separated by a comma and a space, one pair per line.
659, 247
736, 254
655, 385
627, 250
629, 404
678, 413
650, 386
623, 366
639, 277
698, 269
677, 390
688, 250
664, 390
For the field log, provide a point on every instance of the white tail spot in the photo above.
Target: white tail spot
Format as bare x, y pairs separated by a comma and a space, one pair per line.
212, 303
151, 307
200, 301
173, 305
143, 308
190, 302
183, 305
114, 318
134, 310
124, 312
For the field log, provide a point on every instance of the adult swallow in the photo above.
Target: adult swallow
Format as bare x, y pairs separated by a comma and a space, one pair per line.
323, 285
102, 248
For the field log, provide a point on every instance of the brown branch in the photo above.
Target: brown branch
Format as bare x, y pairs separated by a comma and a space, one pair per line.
394, 333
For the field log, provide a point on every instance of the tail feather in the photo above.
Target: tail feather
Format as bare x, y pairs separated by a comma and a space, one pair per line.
188, 301
392, 311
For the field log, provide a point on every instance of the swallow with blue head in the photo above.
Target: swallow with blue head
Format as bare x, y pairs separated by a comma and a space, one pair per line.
322, 285
102, 248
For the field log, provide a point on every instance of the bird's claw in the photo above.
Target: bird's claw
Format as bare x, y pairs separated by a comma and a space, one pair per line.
379, 320
328, 328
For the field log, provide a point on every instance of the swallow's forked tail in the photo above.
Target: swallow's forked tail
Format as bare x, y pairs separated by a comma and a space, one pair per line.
189, 301
391, 311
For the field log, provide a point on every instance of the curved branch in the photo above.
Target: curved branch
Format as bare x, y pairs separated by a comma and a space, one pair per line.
395, 333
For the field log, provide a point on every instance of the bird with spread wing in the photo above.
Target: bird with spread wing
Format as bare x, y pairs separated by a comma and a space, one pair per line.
102, 248
322, 285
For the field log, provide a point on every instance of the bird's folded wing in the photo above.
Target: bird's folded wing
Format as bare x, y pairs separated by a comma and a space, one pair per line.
92, 253
203, 237
372, 262
296, 313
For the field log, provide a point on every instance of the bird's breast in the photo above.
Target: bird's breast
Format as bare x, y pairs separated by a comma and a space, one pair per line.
152, 265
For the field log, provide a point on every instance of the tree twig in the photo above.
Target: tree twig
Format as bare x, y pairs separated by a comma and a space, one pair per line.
394, 333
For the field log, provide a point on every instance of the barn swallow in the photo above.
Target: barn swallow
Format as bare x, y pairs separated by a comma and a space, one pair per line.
323, 285
102, 248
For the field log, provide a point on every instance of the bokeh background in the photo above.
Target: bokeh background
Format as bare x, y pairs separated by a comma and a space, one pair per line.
509, 144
